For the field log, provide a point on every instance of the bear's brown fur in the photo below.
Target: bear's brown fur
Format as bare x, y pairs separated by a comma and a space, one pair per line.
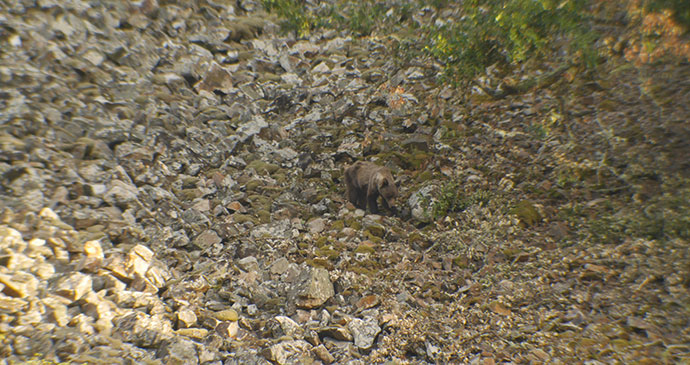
366, 181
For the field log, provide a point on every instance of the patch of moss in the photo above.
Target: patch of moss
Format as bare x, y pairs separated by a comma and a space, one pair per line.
273, 303
338, 225
424, 176
376, 230
353, 223
328, 252
336, 174
364, 249
321, 241
526, 213
280, 177
361, 270
408, 160
415, 237
253, 184
460, 261
372, 238
319, 262
264, 216
189, 194
259, 201
262, 167
511, 252
303, 245
244, 218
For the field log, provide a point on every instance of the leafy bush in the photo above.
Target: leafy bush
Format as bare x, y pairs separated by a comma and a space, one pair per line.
507, 31
487, 32
295, 17
679, 8
452, 199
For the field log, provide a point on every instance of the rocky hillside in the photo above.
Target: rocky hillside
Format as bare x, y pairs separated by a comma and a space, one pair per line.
171, 192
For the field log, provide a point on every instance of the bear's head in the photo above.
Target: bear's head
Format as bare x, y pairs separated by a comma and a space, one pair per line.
388, 191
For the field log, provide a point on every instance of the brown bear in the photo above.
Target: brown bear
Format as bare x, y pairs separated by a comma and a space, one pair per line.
365, 181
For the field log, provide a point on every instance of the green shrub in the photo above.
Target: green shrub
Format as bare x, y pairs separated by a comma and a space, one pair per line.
452, 199
679, 8
506, 31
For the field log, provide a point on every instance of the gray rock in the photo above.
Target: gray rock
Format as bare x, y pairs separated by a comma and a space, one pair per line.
276, 229
11, 305
251, 128
178, 351
249, 264
121, 194
322, 353
313, 288
364, 332
207, 239
73, 286
186, 318
335, 332
419, 202
288, 352
279, 266
316, 225
141, 329
281, 326
139, 260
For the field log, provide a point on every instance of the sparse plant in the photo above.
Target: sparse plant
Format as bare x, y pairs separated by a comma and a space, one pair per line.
451, 198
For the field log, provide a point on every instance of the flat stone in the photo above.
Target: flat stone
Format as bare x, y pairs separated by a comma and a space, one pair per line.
110, 281
11, 305
73, 286
186, 318
15, 261
316, 225
115, 262
141, 329
197, 333
313, 288
285, 326
279, 266
10, 237
43, 270
288, 352
335, 332
249, 264
19, 285
93, 259
178, 351
322, 353
97, 307
216, 78
93, 249
121, 194
158, 275
228, 329
56, 311
138, 260
227, 315
142, 284
207, 239
364, 332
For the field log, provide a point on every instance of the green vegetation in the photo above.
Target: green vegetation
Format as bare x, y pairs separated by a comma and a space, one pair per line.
452, 199
524, 45
477, 34
510, 31
487, 32
679, 8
